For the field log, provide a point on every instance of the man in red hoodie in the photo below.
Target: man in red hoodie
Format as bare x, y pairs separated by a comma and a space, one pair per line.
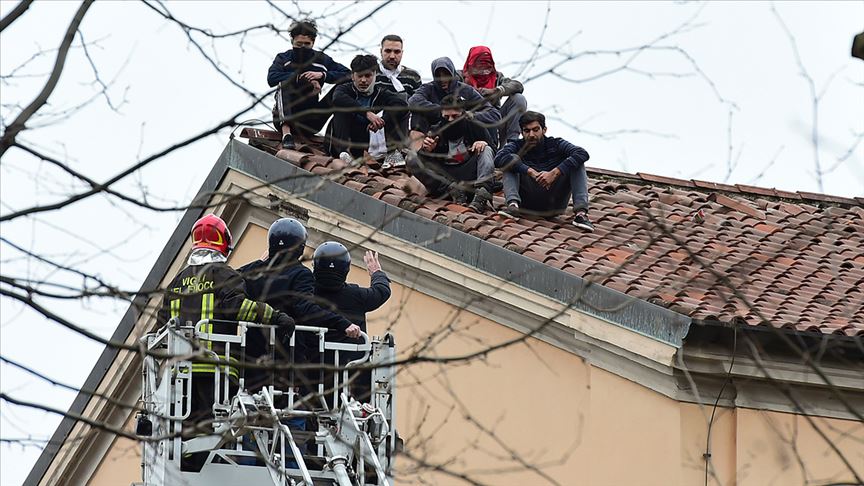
480, 73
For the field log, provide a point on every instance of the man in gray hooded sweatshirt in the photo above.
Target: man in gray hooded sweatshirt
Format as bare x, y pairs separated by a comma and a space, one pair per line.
425, 103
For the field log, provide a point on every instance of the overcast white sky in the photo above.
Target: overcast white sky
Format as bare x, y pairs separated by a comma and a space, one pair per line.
170, 93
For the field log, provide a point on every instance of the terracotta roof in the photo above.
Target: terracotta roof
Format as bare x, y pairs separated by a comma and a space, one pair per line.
797, 258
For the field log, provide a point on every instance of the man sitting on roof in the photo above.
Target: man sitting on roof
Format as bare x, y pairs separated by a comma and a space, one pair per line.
300, 72
540, 173
479, 72
403, 81
358, 111
426, 103
456, 157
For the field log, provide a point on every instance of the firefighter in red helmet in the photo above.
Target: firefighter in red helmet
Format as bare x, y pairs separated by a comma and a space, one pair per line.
209, 289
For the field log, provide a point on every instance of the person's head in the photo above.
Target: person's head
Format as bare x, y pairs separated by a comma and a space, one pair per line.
363, 70
286, 239
303, 33
391, 51
452, 108
212, 233
442, 72
480, 61
533, 125
331, 264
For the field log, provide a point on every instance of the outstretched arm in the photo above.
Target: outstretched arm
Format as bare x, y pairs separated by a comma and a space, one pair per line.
379, 291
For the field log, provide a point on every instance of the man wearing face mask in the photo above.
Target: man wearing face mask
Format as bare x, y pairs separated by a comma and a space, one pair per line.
426, 103
357, 106
480, 73
300, 72
456, 158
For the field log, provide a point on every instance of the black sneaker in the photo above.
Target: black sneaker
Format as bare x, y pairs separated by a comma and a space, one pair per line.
457, 194
482, 200
510, 211
288, 142
582, 222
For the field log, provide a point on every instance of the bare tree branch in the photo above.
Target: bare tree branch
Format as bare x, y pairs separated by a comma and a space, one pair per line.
12, 130
14, 14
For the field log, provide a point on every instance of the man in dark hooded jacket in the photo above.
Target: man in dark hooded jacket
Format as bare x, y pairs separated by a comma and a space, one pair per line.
425, 103
456, 158
480, 73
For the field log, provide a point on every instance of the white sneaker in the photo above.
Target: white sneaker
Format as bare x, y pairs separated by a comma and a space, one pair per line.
393, 159
346, 157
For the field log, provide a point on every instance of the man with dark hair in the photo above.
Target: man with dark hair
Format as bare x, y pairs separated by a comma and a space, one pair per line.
403, 81
392, 74
456, 157
358, 111
426, 103
540, 173
479, 72
300, 72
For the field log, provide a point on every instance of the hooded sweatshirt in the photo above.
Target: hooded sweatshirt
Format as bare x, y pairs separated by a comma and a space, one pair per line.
429, 96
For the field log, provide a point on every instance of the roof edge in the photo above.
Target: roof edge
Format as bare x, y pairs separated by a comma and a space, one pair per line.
127, 322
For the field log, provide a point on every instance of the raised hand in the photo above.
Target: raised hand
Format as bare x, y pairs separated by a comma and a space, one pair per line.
372, 263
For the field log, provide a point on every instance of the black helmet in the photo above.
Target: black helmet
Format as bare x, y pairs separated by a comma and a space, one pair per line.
286, 239
331, 264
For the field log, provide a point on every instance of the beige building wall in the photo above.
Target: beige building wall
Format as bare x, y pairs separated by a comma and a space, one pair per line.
530, 412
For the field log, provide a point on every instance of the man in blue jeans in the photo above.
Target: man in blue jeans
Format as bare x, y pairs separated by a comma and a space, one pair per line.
541, 173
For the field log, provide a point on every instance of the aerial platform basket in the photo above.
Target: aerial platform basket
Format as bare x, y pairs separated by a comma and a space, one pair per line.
315, 435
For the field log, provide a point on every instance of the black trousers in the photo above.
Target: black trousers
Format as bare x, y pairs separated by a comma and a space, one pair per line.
348, 132
301, 109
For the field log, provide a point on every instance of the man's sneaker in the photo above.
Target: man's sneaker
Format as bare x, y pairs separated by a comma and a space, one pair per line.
393, 159
582, 222
288, 142
482, 200
346, 157
510, 211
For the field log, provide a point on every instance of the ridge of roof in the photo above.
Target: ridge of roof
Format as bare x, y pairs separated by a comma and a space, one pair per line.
797, 258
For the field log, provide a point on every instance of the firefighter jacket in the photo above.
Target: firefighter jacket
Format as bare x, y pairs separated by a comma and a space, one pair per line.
212, 290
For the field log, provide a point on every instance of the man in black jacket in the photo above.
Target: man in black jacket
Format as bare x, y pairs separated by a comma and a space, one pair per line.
300, 73
332, 262
358, 105
456, 158
541, 173
286, 284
